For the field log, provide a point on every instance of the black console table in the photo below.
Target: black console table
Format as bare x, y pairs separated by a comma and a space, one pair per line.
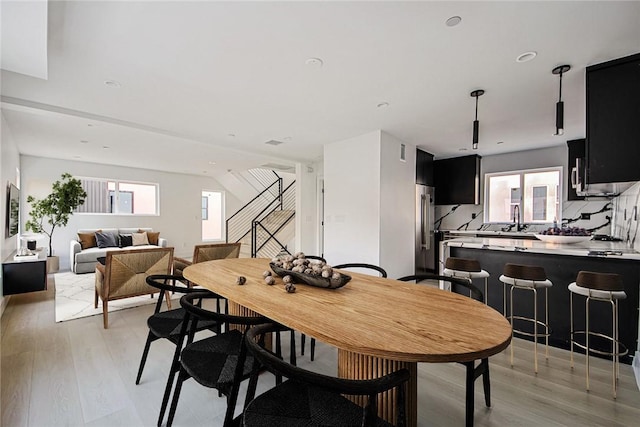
28, 274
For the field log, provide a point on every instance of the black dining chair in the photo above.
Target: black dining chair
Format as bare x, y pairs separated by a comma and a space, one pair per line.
167, 324
219, 361
358, 265
464, 287
312, 399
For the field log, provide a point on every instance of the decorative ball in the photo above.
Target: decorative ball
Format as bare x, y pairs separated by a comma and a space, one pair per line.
287, 279
266, 273
269, 280
241, 280
290, 288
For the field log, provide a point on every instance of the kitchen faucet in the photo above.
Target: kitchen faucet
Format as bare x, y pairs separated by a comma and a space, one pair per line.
516, 217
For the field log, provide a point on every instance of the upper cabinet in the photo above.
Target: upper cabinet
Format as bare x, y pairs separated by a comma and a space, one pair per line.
424, 168
613, 121
457, 180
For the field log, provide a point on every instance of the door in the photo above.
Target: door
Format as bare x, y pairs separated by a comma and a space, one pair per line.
212, 205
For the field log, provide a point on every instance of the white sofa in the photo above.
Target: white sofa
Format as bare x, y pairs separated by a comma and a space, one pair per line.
84, 260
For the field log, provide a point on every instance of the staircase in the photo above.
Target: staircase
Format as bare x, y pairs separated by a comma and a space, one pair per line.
265, 225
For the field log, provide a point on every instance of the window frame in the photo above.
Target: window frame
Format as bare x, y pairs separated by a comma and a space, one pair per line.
522, 173
116, 192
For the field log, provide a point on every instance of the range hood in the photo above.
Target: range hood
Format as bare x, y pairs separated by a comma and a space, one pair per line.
604, 190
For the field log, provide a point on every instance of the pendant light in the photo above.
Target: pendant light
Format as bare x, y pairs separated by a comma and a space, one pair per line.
560, 105
476, 123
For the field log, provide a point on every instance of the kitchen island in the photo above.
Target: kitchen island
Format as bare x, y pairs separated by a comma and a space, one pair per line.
562, 262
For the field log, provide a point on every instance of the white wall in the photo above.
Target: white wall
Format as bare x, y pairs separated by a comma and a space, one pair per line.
352, 195
370, 203
180, 202
397, 207
9, 161
306, 209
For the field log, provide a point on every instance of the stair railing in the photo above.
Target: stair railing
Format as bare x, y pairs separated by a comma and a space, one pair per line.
286, 202
238, 225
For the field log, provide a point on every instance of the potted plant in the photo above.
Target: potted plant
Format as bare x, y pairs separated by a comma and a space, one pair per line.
55, 209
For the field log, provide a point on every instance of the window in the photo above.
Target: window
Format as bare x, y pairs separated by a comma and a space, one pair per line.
107, 196
535, 192
205, 208
212, 215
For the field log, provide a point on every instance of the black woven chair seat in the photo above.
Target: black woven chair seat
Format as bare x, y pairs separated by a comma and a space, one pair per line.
293, 404
212, 361
167, 324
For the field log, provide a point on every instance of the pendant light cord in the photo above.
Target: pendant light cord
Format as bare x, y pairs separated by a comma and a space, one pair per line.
560, 90
476, 107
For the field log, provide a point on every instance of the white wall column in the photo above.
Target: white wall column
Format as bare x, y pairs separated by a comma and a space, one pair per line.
369, 202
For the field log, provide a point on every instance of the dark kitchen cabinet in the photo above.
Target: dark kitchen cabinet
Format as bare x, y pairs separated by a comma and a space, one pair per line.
613, 120
457, 180
424, 168
575, 163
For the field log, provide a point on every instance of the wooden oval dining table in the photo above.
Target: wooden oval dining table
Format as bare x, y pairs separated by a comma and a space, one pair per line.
378, 325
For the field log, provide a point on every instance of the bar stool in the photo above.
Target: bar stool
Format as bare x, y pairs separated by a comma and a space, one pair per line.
530, 278
606, 287
468, 269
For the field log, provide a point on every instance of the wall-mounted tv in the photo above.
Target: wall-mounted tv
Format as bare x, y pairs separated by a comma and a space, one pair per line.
13, 210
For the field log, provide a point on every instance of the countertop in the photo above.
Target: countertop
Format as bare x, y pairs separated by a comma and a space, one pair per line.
538, 246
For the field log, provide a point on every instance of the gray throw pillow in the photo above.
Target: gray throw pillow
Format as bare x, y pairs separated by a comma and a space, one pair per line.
106, 240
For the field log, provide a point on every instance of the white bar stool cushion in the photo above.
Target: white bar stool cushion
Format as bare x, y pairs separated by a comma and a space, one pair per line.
595, 293
526, 283
482, 274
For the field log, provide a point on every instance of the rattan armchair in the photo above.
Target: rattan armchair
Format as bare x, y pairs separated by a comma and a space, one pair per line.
125, 272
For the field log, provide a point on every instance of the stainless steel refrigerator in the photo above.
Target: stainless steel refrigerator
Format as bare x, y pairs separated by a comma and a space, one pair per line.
426, 246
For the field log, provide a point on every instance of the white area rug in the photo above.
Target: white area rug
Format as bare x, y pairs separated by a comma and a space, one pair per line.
75, 293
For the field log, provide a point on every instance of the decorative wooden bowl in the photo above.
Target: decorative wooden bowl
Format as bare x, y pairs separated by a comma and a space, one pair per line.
307, 279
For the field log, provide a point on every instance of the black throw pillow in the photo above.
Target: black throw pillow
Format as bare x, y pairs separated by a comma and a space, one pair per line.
106, 240
126, 240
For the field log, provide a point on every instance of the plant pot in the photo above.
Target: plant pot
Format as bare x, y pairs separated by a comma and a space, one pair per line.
53, 264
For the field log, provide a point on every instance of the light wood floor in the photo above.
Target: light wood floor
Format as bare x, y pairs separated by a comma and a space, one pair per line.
78, 374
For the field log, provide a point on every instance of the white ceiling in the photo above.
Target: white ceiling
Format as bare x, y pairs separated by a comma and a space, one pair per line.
192, 74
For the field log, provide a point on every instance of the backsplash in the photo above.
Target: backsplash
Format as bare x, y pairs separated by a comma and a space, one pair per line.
625, 216
460, 217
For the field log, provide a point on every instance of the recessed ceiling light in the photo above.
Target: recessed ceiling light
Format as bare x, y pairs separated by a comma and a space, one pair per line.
383, 105
500, 142
453, 21
84, 141
526, 56
112, 83
105, 147
314, 62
